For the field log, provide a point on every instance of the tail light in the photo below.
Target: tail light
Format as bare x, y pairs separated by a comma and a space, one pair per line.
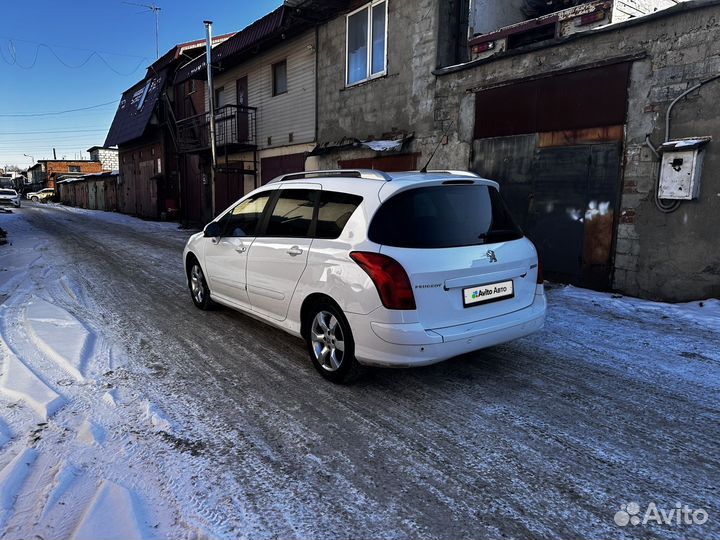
390, 279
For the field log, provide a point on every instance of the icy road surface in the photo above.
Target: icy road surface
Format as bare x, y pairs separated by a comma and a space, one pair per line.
127, 413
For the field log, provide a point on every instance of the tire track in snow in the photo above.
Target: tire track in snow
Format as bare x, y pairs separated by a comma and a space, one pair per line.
541, 437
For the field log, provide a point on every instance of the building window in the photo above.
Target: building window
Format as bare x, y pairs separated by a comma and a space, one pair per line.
220, 97
366, 42
279, 76
73, 168
143, 95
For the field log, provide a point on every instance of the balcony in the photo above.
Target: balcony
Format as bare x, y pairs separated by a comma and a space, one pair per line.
235, 130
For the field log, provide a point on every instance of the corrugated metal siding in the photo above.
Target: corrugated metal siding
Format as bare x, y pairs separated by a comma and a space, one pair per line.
292, 112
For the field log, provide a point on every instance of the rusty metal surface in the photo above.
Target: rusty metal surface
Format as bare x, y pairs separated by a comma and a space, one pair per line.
565, 198
582, 99
580, 136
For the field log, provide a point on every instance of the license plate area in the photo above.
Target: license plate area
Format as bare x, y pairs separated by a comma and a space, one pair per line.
486, 294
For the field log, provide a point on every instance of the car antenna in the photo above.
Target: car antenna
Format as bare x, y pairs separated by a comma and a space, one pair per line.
424, 169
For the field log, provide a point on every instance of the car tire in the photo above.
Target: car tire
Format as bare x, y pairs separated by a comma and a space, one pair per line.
199, 290
330, 343
35, 199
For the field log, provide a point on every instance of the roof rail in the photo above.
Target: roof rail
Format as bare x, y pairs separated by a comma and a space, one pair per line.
457, 173
368, 174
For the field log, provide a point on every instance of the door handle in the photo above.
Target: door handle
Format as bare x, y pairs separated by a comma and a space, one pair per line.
294, 251
241, 249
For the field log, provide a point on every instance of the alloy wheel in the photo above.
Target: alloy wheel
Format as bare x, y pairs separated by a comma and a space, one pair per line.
328, 341
197, 284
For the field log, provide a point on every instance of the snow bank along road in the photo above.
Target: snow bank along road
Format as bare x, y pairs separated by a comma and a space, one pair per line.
125, 412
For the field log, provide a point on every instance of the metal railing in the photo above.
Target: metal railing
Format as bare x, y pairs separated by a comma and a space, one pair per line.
233, 126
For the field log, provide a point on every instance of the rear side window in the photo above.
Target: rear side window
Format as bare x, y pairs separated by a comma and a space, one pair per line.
293, 213
442, 217
334, 212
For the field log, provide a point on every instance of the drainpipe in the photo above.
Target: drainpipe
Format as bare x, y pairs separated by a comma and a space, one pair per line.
211, 95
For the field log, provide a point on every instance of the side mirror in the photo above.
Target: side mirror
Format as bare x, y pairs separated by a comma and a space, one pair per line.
212, 230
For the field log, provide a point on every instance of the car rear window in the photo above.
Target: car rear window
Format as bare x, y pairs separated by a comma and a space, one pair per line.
7, 192
443, 216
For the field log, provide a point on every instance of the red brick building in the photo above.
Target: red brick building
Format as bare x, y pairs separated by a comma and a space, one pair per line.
47, 171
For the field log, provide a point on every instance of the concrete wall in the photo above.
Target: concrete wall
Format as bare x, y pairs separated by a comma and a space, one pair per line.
669, 256
403, 100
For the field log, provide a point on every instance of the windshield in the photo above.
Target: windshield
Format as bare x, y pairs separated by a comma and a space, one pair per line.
8, 192
444, 216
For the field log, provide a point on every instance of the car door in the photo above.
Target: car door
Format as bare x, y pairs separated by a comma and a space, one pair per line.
226, 256
277, 259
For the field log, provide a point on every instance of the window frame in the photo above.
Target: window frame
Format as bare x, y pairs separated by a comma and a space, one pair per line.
272, 203
74, 168
228, 212
273, 79
370, 76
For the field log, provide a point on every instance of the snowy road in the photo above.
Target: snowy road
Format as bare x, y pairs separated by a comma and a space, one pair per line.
212, 424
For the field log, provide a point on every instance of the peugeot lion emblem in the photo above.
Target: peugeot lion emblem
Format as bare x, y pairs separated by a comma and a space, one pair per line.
491, 255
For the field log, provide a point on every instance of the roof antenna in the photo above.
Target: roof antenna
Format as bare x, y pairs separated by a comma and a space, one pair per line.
424, 169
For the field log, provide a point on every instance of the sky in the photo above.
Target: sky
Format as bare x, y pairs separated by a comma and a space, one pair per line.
74, 54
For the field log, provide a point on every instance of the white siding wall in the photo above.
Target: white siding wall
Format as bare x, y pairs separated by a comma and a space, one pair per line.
292, 112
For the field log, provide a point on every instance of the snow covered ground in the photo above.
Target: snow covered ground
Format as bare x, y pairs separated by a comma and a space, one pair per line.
126, 413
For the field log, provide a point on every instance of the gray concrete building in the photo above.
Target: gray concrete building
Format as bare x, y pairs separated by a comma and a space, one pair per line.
561, 123
583, 179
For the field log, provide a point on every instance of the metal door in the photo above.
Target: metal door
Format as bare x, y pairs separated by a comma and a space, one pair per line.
571, 215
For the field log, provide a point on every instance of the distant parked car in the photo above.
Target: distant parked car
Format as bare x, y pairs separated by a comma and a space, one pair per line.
43, 195
399, 269
9, 197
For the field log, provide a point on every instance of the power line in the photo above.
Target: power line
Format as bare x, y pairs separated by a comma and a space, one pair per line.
80, 130
9, 38
12, 51
25, 115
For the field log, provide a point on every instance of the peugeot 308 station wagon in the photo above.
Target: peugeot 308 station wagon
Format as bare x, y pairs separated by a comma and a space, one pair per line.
373, 268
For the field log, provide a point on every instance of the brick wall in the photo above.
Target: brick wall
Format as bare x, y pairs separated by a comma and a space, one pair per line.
56, 168
108, 158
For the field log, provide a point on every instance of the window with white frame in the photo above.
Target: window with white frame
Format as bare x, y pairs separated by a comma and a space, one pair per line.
366, 41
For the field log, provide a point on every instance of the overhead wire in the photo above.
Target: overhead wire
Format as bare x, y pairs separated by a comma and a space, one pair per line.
12, 51
26, 115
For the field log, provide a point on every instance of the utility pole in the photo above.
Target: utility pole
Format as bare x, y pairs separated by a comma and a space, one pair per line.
155, 9
211, 95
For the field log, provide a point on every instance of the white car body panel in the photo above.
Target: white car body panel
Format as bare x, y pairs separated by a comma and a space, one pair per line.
9, 196
258, 277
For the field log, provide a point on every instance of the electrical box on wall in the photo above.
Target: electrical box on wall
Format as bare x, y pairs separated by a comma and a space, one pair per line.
681, 168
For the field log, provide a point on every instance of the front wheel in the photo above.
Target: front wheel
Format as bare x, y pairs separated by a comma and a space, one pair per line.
330, 344
35, 199
199, 290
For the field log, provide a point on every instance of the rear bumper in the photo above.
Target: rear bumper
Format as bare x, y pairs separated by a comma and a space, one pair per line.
408, 345
9, 202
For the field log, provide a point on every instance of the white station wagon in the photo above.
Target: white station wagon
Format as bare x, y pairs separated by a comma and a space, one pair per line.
373, 268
